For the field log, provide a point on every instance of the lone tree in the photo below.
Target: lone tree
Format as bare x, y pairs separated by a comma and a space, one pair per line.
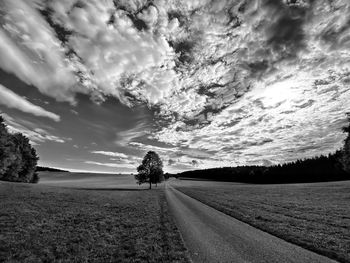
150, 170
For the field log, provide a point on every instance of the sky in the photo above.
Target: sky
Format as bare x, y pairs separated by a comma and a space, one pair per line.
95, 84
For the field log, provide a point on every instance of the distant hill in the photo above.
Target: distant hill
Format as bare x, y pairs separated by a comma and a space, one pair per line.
49, 169
318, 169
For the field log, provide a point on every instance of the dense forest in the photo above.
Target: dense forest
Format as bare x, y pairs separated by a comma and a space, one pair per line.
318, 169
18, 159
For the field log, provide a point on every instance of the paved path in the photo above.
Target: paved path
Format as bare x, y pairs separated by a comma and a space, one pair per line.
212, 236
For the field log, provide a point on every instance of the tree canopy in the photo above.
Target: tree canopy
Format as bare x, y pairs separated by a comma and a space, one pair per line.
150, 170
18, 159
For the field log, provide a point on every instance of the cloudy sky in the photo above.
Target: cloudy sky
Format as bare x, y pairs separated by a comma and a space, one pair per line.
95, 84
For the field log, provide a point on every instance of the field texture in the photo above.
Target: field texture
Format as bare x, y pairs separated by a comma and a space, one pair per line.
39, 223
89, 180
314, 216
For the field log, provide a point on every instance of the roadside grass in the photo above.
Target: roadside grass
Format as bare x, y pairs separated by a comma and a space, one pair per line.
314, 216
49, 224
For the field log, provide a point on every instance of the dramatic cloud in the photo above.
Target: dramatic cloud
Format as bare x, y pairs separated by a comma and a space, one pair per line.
229, 81
12, 100
29, 49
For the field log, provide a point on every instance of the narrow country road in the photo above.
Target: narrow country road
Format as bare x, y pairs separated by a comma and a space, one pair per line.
212, 236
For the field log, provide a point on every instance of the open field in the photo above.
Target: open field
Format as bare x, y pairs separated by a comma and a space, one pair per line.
315, 216
41, 223
89, 180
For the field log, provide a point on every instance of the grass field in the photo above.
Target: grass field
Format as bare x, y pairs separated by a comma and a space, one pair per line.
314, 216
41, 223
89, 180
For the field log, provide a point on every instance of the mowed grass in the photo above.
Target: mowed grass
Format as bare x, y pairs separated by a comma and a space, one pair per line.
314, 216
39, 223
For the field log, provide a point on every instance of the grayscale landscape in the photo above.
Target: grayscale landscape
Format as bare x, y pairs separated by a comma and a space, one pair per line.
175, 131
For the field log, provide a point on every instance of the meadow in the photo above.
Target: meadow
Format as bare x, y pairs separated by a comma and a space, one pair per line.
88, 218
315, 216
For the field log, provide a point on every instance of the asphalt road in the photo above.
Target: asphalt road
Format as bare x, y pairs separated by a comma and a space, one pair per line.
212, 236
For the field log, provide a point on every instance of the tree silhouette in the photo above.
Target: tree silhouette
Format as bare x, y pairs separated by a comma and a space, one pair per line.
150, 170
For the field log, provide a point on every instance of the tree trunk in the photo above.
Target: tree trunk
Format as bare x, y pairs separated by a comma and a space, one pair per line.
150, 183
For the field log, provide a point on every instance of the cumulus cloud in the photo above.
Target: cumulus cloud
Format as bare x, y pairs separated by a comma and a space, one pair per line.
12, 100
112, 54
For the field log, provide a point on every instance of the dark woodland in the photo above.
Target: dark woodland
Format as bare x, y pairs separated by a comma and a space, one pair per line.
318, 169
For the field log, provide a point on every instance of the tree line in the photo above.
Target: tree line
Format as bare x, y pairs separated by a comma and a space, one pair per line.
332, 167
317, 169
18, 159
